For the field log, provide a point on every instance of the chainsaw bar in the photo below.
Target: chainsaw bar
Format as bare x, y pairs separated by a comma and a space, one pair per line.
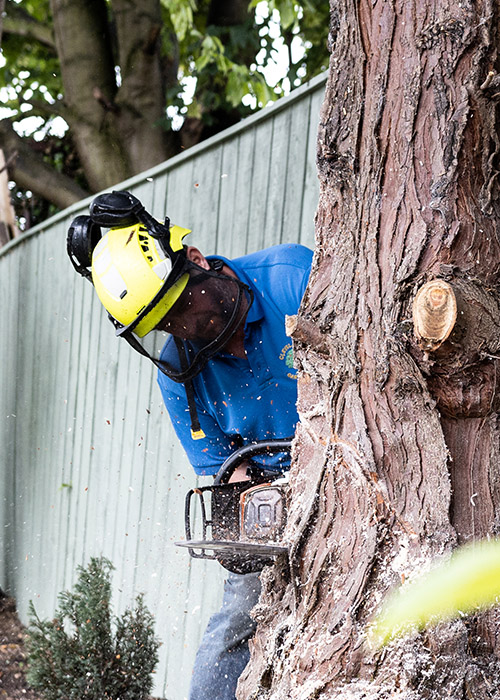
269, 550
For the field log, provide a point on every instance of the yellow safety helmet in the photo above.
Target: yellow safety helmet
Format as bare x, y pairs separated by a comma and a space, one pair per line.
136, 281
139, 268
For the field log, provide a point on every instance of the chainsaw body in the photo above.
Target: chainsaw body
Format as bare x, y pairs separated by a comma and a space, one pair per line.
241, 522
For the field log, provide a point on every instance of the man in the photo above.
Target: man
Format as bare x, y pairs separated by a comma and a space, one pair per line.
225, 370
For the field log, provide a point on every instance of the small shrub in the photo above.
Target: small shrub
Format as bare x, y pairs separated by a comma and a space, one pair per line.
84, 652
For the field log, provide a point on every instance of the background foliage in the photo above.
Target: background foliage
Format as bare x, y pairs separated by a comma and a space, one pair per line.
217, 63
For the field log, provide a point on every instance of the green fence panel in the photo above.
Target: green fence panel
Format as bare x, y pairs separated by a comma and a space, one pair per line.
90, 463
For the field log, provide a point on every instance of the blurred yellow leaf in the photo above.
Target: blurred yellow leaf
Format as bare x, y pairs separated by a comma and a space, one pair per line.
469, 581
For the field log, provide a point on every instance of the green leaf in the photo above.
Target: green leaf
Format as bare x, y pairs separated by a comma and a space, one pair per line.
263, 92
237, 86
181, 15
468, 582
199, 53
289, 12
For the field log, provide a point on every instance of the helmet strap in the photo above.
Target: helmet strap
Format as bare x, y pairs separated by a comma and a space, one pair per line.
196, 430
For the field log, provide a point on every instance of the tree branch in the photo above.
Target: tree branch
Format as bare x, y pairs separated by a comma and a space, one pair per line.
456, 327
20, 23
29, 170
304, 331
44, 109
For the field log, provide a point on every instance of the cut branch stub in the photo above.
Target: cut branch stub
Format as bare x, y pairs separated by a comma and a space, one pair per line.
434, 314
307, 332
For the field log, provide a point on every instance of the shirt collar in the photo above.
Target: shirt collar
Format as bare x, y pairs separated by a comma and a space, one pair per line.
256, 312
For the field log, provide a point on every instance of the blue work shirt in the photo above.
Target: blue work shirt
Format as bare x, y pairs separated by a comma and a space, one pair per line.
240, 401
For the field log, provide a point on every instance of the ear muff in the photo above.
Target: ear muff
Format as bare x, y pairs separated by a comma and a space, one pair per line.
116, 210
83, 236
123, 209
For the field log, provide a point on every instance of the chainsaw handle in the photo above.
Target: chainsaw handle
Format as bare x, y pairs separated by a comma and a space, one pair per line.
247, 452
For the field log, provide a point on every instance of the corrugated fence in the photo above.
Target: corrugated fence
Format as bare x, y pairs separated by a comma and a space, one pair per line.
90, 464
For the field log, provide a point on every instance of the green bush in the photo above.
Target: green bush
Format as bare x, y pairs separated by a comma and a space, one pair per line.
87, 653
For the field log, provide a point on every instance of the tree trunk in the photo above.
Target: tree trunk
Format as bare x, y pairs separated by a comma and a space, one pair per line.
398, 449
88, 75
145, 77
116, 122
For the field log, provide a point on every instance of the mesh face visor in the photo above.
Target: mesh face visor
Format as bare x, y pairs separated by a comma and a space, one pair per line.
201, 322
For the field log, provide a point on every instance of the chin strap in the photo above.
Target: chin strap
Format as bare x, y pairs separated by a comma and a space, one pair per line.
196, 430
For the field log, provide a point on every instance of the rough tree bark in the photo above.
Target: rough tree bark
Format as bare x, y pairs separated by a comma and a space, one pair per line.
397, 454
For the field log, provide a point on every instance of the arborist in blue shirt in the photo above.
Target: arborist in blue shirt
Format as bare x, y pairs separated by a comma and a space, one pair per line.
247, 391
215, 328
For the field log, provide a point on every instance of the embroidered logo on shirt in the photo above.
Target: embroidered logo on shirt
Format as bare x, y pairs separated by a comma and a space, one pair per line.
287, 355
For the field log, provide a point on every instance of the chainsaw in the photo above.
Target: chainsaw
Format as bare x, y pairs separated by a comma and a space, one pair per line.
242, 521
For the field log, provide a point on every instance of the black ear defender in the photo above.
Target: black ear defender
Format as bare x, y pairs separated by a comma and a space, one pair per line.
83, 236
110, 210
116, 210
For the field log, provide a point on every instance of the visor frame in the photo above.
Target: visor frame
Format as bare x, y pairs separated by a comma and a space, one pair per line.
191, 369
180, 266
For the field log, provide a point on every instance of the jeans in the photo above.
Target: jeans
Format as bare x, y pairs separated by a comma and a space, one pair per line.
223, 652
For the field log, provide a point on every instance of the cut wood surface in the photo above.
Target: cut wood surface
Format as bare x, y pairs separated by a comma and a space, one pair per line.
434, 313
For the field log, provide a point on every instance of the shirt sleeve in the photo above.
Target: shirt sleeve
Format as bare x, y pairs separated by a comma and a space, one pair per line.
286, 273
206, 454
293, 285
